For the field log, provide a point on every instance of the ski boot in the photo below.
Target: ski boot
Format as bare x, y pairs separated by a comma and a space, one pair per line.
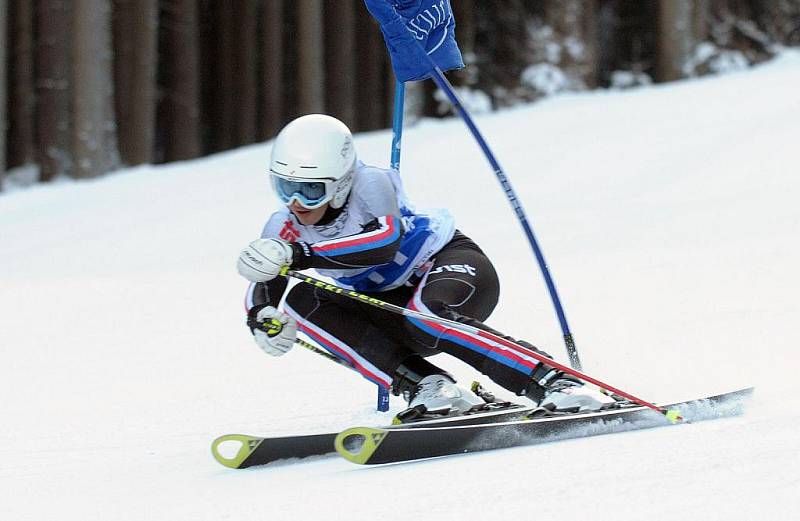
431, 392
558, 392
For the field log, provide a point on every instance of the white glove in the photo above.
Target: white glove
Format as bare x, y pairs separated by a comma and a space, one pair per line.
281, 334
263, 259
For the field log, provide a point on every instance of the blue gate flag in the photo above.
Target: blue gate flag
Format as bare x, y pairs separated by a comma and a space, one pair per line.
413, 28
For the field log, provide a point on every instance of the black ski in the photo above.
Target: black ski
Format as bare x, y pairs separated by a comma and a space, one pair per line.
368, 446
240, 451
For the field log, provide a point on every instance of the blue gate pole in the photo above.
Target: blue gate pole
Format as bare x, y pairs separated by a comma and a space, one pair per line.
397, 135
397, 122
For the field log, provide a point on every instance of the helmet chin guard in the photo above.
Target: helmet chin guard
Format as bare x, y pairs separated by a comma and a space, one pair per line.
313, 149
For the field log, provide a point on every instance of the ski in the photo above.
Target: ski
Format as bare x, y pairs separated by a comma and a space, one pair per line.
369, 446
241, 451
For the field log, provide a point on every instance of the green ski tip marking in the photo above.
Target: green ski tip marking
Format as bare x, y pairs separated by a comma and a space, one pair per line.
359, 443
232, 449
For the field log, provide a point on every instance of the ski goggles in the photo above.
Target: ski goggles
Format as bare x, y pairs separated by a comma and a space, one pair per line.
310, 194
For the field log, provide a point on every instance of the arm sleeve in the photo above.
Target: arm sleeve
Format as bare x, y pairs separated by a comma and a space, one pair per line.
262, 294
377, 244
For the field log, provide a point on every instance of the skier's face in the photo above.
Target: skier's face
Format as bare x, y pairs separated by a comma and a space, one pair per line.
305, 216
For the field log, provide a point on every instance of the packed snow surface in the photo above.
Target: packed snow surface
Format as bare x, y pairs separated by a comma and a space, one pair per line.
670, 222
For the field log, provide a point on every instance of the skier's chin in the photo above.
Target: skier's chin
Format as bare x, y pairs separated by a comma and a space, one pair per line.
307, 217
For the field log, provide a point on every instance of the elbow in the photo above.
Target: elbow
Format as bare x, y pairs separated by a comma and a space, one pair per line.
392, 237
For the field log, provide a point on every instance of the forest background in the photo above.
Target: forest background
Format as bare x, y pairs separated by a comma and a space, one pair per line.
89, 86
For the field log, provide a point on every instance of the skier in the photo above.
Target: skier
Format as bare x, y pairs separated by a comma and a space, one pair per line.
353, 223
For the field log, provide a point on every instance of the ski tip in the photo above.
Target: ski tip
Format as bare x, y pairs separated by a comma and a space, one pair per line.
673, 415
232, 450
358, 444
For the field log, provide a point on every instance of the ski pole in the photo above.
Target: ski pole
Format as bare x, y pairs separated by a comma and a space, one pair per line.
383, 392
314, 349
273, 327
672, 414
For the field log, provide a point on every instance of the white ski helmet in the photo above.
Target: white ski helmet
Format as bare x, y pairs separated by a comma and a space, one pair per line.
312, 162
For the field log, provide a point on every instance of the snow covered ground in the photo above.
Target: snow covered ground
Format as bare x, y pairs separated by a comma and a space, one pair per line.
669, 218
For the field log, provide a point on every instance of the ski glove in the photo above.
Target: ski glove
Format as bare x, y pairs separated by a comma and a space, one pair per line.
263, 259
274, 331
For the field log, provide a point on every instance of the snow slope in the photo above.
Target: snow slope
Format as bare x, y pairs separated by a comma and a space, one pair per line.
668, 216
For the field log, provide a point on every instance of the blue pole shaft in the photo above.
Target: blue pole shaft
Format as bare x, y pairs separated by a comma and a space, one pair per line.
397, 135
444, 85
397, 122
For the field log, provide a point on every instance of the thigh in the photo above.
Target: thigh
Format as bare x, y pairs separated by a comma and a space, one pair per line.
462, 279
361, 334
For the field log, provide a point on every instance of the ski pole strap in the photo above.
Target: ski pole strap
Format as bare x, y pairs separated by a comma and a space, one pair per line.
672, 415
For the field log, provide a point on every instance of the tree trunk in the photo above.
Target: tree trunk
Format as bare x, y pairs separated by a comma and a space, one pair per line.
701, 13
606, 41
272, 79
675, 41
575, 25
135, 67
503, 33
340, 59
780, 19
223, 85
21, 95
370, 88
94, 137
389, 83
466, 31
311, 57
235, 98
53, 88
179, 109
291, 71
628, 36
3, 36
245, 67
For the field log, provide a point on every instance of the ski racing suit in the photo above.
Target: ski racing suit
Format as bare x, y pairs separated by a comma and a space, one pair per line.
378, 245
